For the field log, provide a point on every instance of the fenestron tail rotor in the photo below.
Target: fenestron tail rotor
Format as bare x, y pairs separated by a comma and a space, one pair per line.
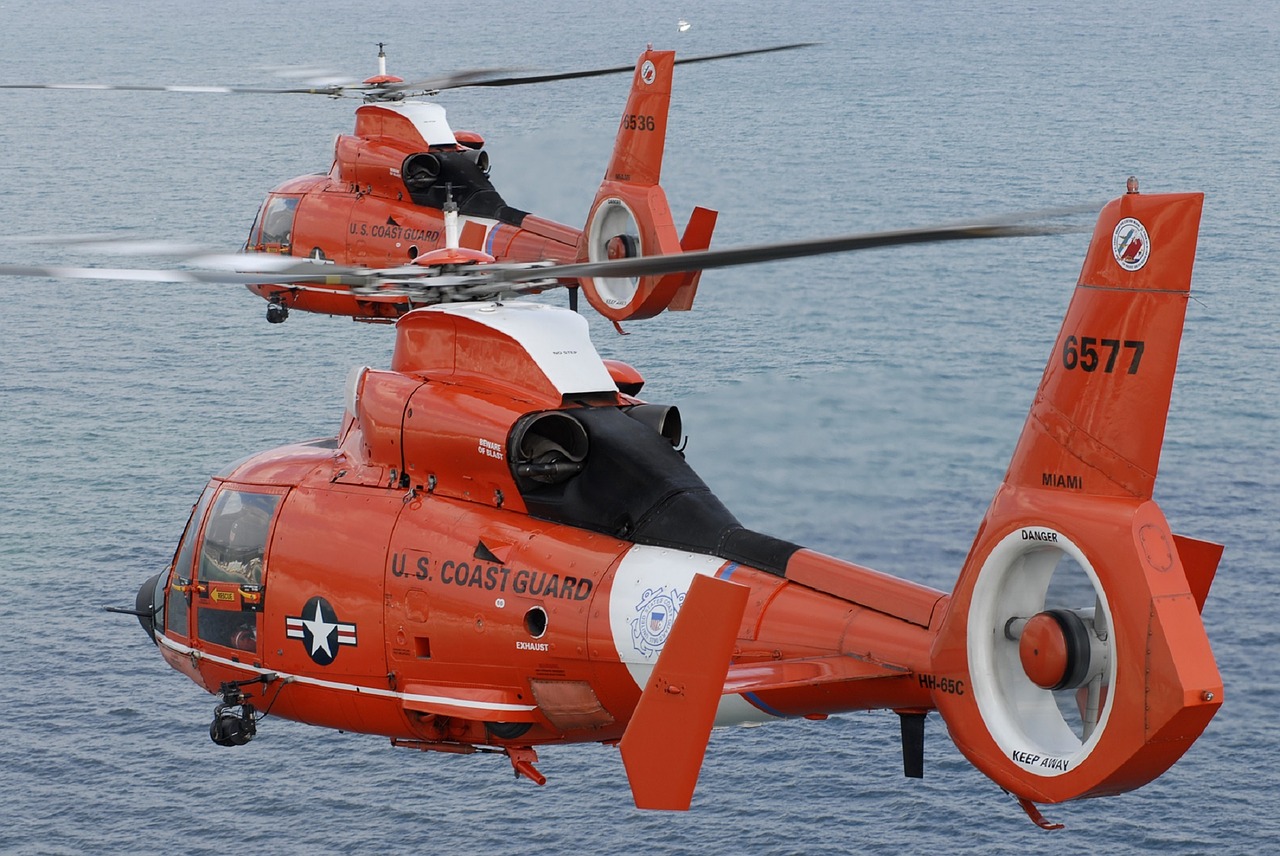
1039, 634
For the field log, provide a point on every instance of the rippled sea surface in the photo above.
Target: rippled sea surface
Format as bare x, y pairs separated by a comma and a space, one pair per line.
862, 405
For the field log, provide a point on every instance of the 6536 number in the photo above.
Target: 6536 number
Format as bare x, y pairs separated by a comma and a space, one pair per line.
638, 122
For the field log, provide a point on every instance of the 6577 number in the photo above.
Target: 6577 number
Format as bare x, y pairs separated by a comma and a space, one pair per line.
1087, 353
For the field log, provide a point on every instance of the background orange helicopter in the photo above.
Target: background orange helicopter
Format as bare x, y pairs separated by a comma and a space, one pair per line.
381, 202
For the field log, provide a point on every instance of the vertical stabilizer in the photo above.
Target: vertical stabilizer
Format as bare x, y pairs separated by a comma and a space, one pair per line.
1098, 421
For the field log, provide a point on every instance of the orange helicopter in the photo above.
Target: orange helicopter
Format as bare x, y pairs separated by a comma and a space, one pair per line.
503, 548
381, 203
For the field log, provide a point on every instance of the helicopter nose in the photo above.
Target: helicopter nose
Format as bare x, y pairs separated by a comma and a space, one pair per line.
145, 607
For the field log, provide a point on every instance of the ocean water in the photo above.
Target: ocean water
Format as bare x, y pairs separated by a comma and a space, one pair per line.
863, 405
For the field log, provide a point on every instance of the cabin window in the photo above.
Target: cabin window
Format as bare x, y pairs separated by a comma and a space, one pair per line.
174, 616
231, 568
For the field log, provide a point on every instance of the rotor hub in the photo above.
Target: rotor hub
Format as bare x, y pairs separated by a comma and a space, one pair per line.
1054, 649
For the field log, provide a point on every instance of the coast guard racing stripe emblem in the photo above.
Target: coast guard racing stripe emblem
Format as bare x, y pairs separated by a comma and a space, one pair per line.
321, 632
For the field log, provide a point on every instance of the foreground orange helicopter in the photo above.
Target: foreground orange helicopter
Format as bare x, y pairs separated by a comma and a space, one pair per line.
381, 203
502, 548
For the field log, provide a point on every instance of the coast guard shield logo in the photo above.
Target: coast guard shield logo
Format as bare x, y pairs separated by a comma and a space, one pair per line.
648, 72
1130, 244
656, 612
322, 634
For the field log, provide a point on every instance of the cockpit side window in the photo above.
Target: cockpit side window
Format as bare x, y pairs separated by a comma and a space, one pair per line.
231, 570
175, 616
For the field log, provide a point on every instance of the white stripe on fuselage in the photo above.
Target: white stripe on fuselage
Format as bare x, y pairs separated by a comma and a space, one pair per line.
186, 650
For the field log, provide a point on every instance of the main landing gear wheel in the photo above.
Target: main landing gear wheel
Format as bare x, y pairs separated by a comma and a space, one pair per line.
1040, 650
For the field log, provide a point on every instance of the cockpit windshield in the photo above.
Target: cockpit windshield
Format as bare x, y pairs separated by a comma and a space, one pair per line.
229, 581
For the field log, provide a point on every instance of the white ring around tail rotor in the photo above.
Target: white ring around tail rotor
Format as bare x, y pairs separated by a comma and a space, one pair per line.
1024, 719
613, 221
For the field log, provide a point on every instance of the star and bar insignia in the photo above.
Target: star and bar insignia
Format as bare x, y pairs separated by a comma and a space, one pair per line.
322, 634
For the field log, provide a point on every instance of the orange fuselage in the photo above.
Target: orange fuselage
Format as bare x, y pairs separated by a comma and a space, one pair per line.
460, 590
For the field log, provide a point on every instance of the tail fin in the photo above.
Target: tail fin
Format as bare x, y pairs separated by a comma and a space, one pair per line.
630, 215
1073, 640
1098, 421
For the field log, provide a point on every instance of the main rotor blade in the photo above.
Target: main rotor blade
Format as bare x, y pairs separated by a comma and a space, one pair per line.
331, 90
454, 80
754, 254
621, 69
482, 278
267, 268
245, 277
270, 269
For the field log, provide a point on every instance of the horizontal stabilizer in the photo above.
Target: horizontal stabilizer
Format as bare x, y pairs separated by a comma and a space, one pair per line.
1200, 562
697, 236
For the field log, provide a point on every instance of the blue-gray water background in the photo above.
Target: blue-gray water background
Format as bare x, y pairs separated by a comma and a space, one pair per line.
863, 405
